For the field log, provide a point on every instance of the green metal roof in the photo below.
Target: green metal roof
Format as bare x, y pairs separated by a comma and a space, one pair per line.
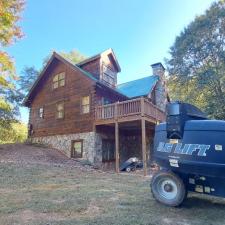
140, 87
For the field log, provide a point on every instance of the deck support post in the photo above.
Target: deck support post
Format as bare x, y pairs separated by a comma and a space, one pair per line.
117, 146
143, 138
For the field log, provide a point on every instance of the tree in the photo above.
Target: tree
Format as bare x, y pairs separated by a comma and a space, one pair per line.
26, 80
9, 33
197, 62
16, 133
74, 56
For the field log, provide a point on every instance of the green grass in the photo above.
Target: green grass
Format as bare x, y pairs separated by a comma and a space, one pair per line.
35, 194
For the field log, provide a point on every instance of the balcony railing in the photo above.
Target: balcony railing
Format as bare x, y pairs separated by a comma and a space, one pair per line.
134, 107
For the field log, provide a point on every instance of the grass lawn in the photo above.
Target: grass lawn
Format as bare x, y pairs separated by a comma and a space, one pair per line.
45, 194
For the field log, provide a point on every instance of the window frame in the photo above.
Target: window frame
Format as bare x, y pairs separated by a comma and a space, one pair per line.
73, 154
82, 106
109, 79
57, 80
41, 112
58, 111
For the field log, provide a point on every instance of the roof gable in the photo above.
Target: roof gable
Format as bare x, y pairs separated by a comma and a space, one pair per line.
54, 56
106, 52
140, 87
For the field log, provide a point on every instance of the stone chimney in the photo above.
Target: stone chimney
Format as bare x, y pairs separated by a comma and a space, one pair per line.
160, 88
159, 70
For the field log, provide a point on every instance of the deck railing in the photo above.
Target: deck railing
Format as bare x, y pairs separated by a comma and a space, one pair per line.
138, 106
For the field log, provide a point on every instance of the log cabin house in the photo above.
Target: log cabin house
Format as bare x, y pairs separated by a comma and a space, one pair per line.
80, 109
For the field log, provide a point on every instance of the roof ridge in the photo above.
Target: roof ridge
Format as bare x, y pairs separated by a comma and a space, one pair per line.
94, 56
137, 79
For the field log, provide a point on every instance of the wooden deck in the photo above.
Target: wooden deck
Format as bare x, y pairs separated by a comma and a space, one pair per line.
129, 110
125, 111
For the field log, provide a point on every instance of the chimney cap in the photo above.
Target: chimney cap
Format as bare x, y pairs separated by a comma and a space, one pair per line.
159, 64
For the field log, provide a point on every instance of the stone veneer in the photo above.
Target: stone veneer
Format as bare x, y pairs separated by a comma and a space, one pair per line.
91, 144
130, 146
160, 96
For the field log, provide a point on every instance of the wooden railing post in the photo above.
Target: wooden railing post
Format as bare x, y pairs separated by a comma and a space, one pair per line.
116, 111
142, 107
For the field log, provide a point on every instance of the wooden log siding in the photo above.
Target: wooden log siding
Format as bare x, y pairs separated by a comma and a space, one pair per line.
138, 106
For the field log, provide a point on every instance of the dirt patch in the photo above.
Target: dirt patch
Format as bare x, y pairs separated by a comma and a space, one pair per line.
28, 215
31, 154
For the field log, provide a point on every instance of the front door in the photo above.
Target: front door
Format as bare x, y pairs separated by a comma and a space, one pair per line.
108, 150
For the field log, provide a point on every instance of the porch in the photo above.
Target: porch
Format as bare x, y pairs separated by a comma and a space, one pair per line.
136, 116
127, 111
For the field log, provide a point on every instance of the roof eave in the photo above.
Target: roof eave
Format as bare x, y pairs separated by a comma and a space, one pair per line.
88, 60
116, 61
26, 99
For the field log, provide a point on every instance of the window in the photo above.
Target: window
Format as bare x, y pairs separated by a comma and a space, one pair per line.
41, 112
77, 149
60, 110
108, 79
106, 101
108, 75
85, 104
59, 80
30, 130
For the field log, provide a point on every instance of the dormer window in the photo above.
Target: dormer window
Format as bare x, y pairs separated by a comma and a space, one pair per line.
59, 80
108, 75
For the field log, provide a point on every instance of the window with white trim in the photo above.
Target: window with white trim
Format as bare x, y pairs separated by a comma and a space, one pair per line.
41, 112
85, 104
60, 110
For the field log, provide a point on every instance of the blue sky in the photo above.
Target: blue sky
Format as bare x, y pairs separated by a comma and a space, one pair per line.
140, 31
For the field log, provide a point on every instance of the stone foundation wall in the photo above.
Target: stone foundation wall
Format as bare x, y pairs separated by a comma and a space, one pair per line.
98, 149
91, 144
130, 146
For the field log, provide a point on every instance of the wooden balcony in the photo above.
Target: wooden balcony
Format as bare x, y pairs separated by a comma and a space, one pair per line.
130, 110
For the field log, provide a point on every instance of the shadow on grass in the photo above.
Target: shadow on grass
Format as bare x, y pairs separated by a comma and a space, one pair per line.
204, 202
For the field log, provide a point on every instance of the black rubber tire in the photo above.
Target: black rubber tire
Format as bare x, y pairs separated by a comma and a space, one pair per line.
181, 189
